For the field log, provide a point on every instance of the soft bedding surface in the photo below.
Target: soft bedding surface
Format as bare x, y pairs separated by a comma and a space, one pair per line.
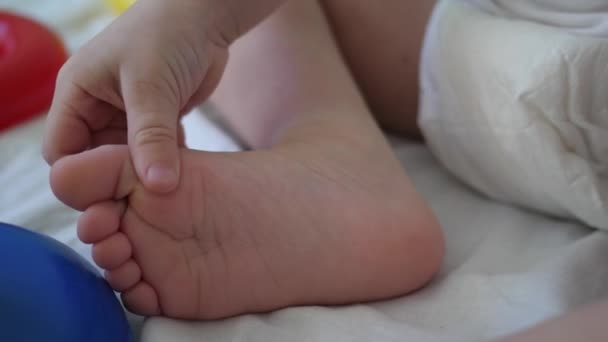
505, 268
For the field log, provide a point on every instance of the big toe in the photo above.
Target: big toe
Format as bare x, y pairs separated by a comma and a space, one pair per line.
101, 174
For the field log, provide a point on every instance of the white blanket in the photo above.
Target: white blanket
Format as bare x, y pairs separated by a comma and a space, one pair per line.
505, 269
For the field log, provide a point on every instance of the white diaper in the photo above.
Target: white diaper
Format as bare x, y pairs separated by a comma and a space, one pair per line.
515, 101
588, 17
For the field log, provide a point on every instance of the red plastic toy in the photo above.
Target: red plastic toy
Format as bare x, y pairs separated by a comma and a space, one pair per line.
30, 58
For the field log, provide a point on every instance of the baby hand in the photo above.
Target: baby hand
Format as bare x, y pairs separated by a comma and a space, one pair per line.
131, 83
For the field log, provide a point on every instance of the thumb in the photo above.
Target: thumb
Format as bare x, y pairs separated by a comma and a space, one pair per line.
152, 120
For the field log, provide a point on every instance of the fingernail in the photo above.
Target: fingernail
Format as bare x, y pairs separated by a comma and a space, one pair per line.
161, 176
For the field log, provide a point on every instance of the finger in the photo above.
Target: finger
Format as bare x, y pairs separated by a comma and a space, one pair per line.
153, 134
181, 135
212, 78
114, 134
66, 132
73, 116
109, 136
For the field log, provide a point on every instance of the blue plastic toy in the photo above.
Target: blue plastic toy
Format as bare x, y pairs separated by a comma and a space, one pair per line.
49, 293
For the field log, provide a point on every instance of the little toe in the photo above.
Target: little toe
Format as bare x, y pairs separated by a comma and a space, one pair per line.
124, 277
112, 252
142, 300
97, 175
100, 221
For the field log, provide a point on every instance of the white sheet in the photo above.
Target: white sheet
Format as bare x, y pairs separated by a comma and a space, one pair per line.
505, 268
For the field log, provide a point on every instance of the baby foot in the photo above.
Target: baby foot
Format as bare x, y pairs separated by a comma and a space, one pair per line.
252, 231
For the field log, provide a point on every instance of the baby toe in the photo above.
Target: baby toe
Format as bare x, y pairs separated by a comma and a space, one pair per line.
93, 176
112, 252
100, 221
124, 277
142, 300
